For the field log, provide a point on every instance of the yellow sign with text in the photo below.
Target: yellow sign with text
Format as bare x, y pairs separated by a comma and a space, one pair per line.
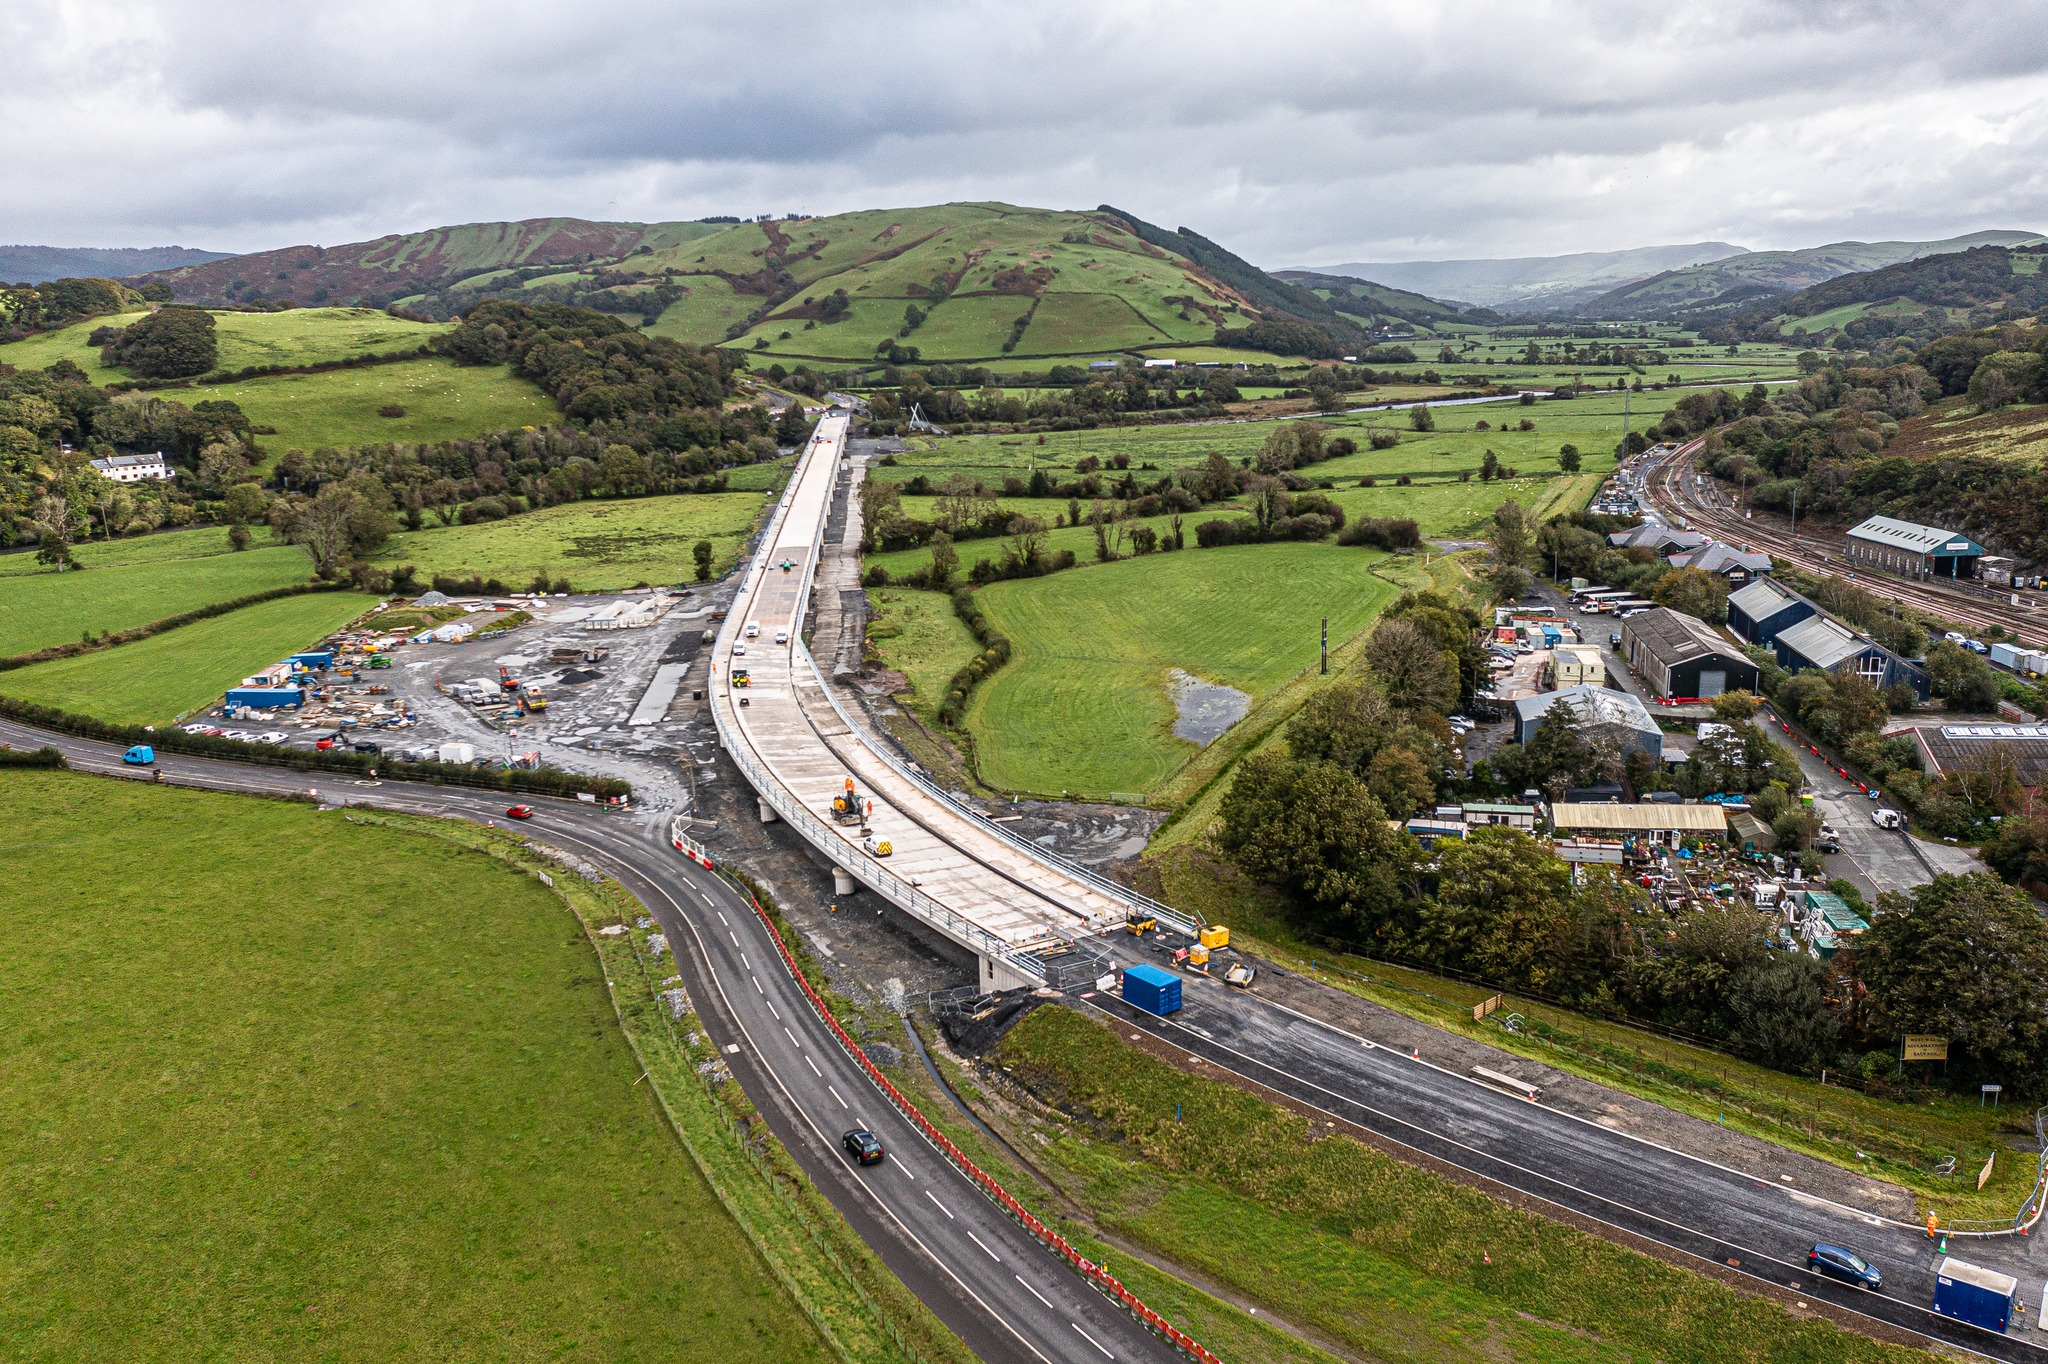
1922, 1046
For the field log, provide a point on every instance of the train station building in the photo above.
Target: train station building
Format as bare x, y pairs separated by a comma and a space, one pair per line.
1914, 550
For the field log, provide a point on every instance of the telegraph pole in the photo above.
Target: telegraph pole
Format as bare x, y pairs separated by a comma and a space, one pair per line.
1326, 646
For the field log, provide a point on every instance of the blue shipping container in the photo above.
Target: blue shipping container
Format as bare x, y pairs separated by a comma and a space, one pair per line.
266, 698
314, 658
1151, 989
1982, 1297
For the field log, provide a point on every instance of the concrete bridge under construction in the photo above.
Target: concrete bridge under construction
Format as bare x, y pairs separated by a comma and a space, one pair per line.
1031, 917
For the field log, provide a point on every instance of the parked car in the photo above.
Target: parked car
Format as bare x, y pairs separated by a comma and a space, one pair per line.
864, 1146
1846, 1265
519, 812
1614, 639
365, 746
1828, 840
272, 736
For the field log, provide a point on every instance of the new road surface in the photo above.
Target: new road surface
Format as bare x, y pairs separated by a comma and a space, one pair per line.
988, 1279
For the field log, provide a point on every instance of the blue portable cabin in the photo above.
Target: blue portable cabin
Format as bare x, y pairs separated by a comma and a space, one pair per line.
1151, 989
318, 659
266, 698
1967, 1292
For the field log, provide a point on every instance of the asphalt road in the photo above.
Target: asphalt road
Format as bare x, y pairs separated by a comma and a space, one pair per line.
1709, 1211
987, 1278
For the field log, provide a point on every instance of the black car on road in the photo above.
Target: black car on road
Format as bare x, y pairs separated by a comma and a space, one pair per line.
1842, 1264
864, 1146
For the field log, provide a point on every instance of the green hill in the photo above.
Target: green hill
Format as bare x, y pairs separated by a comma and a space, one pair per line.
1375, 305
401, 264
1759, 274
970, 281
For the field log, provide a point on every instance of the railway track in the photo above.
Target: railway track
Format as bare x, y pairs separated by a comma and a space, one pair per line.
1669, 487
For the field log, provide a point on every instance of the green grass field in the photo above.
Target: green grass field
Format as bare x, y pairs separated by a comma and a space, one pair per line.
918, 635
1083, 705
302, 1089
298, 336
597, 546
168, 547
442, 401
1386, 1260
39, 610
157, 680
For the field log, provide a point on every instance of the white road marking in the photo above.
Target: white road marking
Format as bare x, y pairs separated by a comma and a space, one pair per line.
735, 938
814, 1068
979, 1242
940, 1206
835, 1094
906, 1171
743, 959
757, 986
1091, 1340
790, 1035
721, 914
772, 1010
1032, 1291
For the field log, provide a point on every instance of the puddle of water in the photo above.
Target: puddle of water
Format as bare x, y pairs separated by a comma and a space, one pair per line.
1205, 709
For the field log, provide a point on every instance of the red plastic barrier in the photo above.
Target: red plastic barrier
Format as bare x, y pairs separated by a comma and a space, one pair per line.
1050, 1238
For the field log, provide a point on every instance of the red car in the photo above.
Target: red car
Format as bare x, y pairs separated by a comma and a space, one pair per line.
520, 812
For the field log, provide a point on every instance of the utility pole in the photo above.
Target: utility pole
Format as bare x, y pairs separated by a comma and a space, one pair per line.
1326, 646
1795, 516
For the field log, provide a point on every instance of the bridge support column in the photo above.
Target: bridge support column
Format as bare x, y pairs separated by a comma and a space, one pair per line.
768, 815
842, 882
997, 974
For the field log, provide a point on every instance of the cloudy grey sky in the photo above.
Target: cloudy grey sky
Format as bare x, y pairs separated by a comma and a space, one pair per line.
1295, 132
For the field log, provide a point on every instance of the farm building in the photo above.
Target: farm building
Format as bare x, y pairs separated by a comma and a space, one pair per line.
1919, 551
1597, 708
1948, 749
1723, 561
1759, 611
1655, 823
1820, 642
1681, 655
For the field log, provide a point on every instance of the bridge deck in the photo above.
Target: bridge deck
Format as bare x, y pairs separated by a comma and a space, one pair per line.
791, 727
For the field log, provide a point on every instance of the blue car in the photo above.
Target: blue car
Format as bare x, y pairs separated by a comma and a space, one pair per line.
1845, 1265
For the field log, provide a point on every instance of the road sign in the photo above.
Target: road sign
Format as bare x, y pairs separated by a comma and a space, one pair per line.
1922, 1046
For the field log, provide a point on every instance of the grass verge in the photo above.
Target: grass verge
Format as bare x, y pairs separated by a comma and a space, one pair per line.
1395, 1262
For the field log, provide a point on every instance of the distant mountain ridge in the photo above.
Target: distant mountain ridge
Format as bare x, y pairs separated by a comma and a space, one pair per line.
1762, 274
1527, 283
41, 264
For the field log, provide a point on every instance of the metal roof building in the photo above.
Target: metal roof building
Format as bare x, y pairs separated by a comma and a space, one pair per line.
1736, 565
1819, 642
1594, 706
1947, 749
1761, 610
1922, 551
1683, 656
1656, 822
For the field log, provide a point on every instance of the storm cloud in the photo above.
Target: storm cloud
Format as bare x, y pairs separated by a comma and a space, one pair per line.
1295, 132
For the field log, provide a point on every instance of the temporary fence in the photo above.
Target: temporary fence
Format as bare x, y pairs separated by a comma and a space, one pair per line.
1095, 1274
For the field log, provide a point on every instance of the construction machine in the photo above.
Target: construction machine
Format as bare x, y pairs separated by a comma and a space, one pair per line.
507, 680
849, 808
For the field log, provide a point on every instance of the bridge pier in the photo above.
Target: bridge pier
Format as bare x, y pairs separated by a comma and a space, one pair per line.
843, 882
768, 815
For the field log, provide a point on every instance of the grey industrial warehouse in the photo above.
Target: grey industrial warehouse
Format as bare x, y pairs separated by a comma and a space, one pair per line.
1682, 656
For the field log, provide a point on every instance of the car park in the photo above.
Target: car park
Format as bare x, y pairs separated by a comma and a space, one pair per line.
1846, 1265
864, 1146
519, 812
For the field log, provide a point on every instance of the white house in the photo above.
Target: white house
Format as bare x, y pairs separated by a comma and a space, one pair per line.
134, 468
